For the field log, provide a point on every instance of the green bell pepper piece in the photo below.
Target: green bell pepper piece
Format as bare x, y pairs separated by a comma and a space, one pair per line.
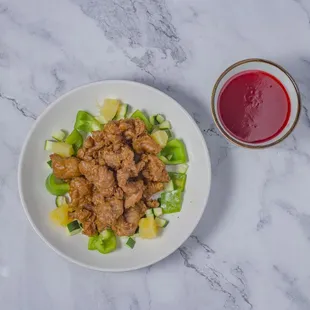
178, 180
177, 149
171, 202
56, 186
92, 243
86, 122
140, 115
75, 139
49, 163
104, 242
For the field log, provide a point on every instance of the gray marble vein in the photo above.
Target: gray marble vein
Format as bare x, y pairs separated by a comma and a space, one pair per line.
235, 295
23, 110
304, 5
133, 24
291, 290
302, 218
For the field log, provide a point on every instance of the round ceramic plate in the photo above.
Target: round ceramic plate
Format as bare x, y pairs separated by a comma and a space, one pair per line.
33, 171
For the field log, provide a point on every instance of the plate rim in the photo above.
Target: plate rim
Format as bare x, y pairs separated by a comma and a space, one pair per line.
21, 160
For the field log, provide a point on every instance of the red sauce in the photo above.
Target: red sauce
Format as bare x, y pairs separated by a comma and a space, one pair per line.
254, 106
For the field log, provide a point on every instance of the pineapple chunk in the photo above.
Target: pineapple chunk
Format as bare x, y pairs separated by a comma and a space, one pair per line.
109, 109
60, 215
148, 228
160, 137
61, 148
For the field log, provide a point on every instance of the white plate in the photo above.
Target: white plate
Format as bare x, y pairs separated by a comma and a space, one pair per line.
33, 171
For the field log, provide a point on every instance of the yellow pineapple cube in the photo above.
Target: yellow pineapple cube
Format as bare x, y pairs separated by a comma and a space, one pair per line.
148, 228
60, 215
109, 109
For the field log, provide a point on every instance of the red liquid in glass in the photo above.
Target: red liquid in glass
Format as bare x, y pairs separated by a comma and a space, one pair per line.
254, 106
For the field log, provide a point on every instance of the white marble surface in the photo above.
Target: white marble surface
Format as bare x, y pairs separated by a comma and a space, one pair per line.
251, 249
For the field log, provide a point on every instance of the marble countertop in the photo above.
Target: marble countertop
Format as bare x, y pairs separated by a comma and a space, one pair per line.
251, 250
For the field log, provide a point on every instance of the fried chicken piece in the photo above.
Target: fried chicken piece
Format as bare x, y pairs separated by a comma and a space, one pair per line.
133, 214
89, 142
116, 159
107, 210
112, 133
86, 153
127, 224
123, 228
140, 127
80, 192
91, 147
152, 203
155, 169
87, 219
100, 176
133, 189
65, 168
101, 160
119, 193
104, 215
89, 226
133, 193
132, 128
81, 215
122, 176
100, 139
145, 144
153, 188
98, 136
120, 173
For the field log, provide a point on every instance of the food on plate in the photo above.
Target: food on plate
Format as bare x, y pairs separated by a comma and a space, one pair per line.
106, 184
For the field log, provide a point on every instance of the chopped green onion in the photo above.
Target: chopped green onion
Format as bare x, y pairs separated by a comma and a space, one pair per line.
60, 200
169, 186
161, 222
160, 118
165, 125
131, 243
73, 228
149, 213
122, 111
59, 135
169, 133
153, 120
158, 211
